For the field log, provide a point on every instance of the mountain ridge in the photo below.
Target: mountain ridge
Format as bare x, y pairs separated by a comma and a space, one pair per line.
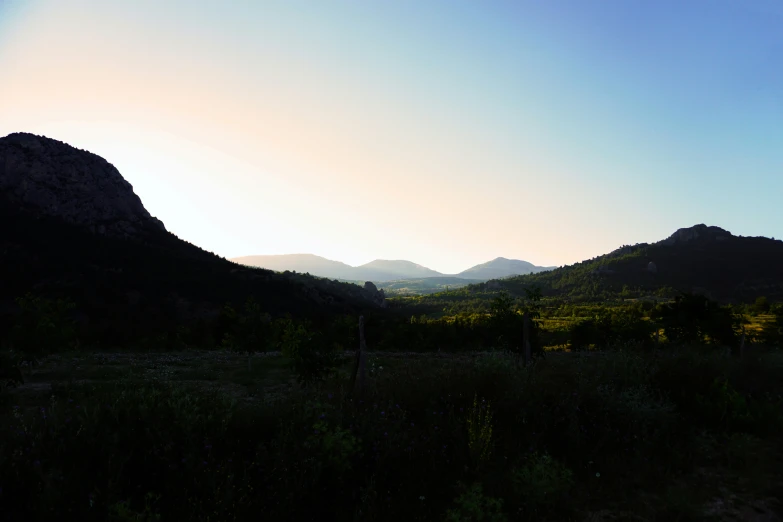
384, 270
702, 259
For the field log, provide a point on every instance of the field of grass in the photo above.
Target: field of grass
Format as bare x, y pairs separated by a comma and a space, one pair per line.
687, 434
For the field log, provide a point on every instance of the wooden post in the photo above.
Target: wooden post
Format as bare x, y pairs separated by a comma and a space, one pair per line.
742, 342
526, 337
362, 354
361, 361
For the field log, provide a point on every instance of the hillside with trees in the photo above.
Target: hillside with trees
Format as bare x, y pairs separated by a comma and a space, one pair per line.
699, 259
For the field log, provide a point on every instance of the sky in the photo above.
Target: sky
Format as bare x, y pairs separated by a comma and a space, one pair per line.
444, 132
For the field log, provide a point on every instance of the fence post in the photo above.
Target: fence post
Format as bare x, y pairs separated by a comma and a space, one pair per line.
742, 342
360, 365
362, 354
526, 337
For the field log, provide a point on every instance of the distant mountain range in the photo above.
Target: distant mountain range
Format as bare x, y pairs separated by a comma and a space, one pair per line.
382, 270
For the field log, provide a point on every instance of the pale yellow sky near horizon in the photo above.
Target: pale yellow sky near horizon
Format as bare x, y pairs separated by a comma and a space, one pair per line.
264, 133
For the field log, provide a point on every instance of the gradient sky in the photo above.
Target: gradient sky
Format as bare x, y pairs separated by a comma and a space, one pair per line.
443, 132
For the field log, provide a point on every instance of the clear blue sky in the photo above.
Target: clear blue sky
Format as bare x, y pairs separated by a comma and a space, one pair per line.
443, 132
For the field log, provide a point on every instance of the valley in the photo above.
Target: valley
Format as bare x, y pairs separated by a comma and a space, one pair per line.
642, 384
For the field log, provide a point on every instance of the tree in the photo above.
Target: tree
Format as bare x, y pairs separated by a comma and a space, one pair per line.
43, 326
772, 332
693, 318
761, 306
505, 322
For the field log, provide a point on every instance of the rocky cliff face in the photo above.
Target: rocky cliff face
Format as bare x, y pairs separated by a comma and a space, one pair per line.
695, 232
46, 177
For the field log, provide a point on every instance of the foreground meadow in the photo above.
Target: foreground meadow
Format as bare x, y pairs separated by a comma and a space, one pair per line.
681, 434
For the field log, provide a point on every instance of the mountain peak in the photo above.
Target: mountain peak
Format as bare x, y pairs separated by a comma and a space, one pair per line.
43, 176
697, 232
501, 267
391, 269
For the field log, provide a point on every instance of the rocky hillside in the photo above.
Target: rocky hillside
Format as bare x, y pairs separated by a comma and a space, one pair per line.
701, 259
45, 177
71, 226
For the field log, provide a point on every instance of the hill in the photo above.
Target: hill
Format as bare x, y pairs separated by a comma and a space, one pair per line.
302, 263
71, 226
382, 271
701, 259
501, 267
388, 270
375, 271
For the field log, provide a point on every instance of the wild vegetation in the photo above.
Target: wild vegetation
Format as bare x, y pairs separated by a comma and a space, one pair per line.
663, 411
731, 269
148, 379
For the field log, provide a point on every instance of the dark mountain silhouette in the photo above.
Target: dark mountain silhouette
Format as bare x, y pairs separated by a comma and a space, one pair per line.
71, 226
501, 267
701, 259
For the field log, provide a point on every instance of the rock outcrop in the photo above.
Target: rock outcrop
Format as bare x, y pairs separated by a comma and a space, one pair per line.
376, 296
695, 232
46, 177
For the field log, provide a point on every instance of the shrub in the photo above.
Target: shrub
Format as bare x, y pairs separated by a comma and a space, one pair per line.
10, 370
474, 506
541, 481
249, 330
43, 326
310, 354
479, 425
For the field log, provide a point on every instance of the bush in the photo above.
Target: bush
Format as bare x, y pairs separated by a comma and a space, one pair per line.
248, 331
541, 481
43, 326
10, 370
310, 353
474, 506
479, 426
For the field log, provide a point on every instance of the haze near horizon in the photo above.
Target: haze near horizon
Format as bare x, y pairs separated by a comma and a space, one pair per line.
447, 133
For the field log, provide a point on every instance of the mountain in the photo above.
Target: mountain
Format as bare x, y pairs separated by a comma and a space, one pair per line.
701, 258
385, 270
302, 263
45, 177
71, 226
376, 271
501, 267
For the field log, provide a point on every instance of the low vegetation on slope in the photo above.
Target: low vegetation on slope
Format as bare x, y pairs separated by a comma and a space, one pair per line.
131, 288
726, 268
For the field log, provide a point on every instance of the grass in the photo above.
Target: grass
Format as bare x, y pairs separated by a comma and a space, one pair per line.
688, 434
